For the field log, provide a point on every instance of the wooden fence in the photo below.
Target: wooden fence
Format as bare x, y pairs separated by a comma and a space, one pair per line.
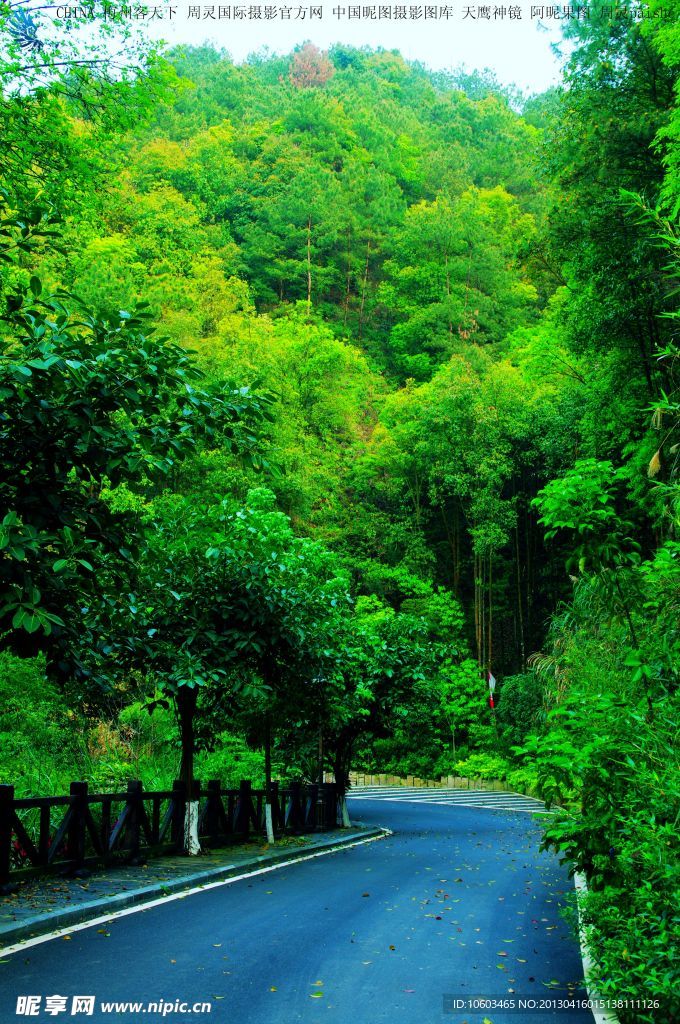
69, 832
445, 782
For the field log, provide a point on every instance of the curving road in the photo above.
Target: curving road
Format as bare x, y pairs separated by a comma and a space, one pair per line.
457, 903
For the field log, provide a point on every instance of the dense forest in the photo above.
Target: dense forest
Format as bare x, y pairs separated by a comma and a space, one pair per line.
329, 385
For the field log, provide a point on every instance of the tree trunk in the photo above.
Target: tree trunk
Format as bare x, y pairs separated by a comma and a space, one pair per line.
490, 630
268, 778
309, 266
341, 761
348, 280
364, 284
186, 711
448, 292
520, 613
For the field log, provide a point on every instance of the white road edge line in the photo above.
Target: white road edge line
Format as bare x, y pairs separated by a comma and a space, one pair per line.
589, 968
171, 897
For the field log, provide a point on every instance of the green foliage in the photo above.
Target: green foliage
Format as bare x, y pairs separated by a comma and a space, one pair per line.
619, 773
88, 403
521, 707
454, 276
231, 761
483, 766
583, 502
462, 699
382, 677
42, 742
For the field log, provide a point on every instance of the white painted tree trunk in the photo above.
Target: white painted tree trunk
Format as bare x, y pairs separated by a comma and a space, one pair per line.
346, 823
268, 822
191, 843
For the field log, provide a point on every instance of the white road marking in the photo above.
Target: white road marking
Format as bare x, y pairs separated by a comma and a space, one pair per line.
499, 800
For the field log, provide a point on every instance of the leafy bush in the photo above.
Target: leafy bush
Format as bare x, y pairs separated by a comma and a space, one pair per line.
483, 766
524, 780
616, 763
231, 761
42, 743
397, 756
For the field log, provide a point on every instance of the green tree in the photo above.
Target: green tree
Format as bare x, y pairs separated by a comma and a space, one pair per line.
455, 276
462, 697
383, 667
88, 405
229, 598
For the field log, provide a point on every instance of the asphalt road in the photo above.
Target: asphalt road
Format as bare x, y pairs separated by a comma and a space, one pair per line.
458, 903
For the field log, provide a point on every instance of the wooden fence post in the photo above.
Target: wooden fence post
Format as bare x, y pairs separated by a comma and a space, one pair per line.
277, 822
329, 805
134, 801
311, 809
244, 808
6, 812
212, 811
295, 818
75, 843
179, 799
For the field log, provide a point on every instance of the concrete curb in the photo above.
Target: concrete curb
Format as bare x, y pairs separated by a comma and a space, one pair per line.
589, 967
42, 924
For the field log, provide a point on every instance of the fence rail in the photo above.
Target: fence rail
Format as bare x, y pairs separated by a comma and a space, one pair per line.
71, 831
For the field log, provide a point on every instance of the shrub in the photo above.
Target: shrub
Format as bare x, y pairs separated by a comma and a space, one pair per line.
231, 761
483, 766
42, 743
618, 759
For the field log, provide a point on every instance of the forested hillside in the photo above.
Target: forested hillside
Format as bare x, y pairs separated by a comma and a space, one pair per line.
331, 384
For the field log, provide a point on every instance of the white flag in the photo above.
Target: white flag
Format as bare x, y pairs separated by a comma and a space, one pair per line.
492, 683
